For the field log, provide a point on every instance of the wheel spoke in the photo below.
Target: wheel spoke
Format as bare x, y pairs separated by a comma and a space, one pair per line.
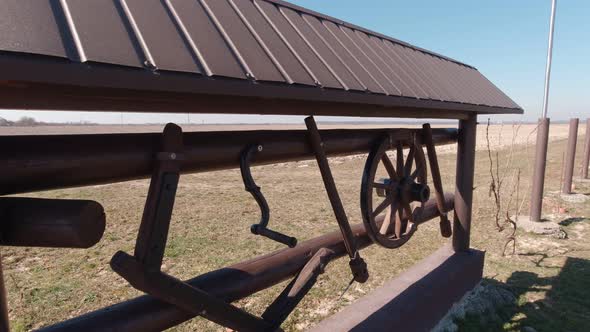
409, 162
420, 172
386, 222
389, 167
398, 222
409, 214
390, 215
386, 202
400, 159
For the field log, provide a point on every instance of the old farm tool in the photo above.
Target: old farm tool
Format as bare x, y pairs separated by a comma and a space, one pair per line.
445, 224
357, 264
143, 269
251, 187
405, 184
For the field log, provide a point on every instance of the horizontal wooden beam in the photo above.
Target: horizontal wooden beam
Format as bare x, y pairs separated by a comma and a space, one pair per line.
33, 163
50, 223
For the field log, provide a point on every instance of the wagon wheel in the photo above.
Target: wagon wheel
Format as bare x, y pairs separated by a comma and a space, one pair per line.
405, 183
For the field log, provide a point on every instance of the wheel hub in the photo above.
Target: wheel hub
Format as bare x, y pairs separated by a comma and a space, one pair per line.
406, 188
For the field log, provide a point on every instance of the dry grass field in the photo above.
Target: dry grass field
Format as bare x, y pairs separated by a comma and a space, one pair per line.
550, 277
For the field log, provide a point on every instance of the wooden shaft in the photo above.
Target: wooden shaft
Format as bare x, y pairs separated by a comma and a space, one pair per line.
50, 223
464, 183
436, 178
332, 191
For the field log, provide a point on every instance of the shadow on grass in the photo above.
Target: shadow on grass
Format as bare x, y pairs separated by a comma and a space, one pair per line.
569, 221
560, 303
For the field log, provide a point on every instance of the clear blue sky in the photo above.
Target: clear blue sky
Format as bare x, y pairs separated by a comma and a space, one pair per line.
505, 39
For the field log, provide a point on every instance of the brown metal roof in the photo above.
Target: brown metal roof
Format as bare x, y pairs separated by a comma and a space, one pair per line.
69, 53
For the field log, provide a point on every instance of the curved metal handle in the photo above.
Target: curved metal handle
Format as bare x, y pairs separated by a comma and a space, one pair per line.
251, 186
273, 235
254, 190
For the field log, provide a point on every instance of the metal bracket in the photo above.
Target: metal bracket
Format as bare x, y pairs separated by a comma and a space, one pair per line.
357, 264
285, 303
143, 269
262, 227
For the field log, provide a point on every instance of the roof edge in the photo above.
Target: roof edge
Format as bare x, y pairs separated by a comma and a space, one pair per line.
369, 31
73, 76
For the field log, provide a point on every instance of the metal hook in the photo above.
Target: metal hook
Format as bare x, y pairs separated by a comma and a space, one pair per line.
254, 190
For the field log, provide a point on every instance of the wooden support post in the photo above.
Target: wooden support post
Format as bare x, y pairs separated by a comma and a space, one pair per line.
568, 170
4, 326
539, 169
586, 159
464, 183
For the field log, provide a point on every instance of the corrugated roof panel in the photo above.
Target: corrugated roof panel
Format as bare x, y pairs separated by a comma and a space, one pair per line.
373, 61
298, 45
349, 58
380, 60
271, 49
344, 73
104, 33
398, 67
481, 93
471, 94
273, 43
205, 41
499, 97
459, 86
163, 41
426, 72
431, 74
341, 34
30, 26
323, 52
348, 69
251, 55
460, 89
396, 52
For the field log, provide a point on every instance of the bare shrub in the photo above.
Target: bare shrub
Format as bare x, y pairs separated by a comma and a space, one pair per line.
26, 121
499, 173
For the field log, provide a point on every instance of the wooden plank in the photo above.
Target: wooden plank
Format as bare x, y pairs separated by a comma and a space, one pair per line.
416, 300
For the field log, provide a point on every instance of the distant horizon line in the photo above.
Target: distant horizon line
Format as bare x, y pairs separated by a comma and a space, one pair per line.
444, 121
